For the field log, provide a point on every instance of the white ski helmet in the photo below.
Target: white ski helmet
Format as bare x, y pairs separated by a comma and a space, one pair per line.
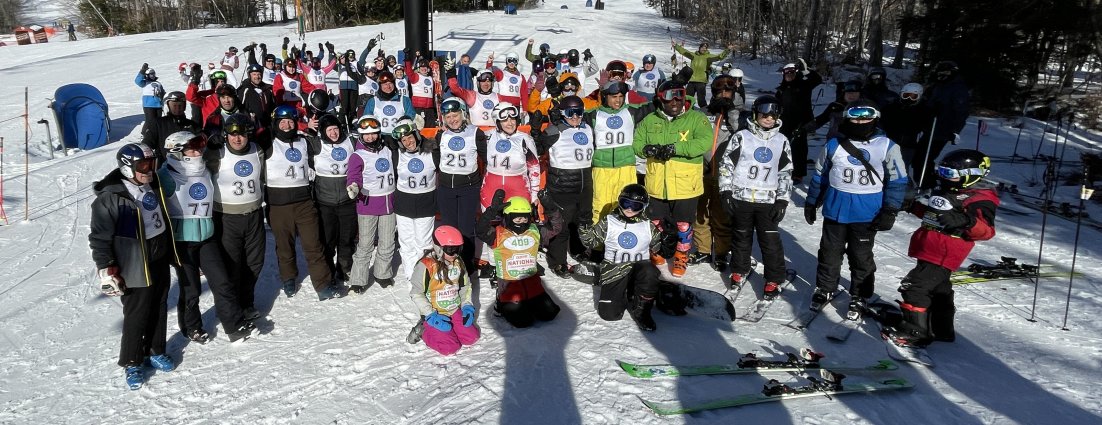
737, 73
914, 88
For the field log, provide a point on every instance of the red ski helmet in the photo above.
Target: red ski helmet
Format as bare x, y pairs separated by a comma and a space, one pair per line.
448, 236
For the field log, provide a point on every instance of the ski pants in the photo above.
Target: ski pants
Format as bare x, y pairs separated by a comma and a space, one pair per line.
928, 286
415, 237
798, 141
338, 230
574, 206
207, 256
606, 195
522, 302
923, 162
616, 295
376, 231
299, 218
449, 342
145, 316
151, 117
244, 243
699, 91
855, 241
348, 99
459, 207
512, 185
750, 218
682, 212
712, 229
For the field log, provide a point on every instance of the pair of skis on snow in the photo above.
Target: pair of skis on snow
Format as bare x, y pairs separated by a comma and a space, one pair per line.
829, 383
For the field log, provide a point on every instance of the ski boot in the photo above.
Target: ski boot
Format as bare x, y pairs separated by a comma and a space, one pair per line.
914, 331
560, 270
857, 308
161, 362
700, 257
290, 288
251, 314
198, 335
242, 332
737, 279
135, 377
383, 282
772, 290
680, 264
721, 262
330, 291
657, 260
820, 298
640, 312
749, 360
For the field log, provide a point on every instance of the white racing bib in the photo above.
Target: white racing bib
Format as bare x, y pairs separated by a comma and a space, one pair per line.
292, 89
647, 81
332, 161
316, 77
237, 181
627, 242
459, 151
505, 155
388, 112
482, 108
509, 84
416, 172
613, 130
287, 165
574, 149
152, 222
423, 87
378, 172
193, 198
758, 163
849, 175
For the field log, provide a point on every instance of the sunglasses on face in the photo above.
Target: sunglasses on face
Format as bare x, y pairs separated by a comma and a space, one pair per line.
672, 94
862, 113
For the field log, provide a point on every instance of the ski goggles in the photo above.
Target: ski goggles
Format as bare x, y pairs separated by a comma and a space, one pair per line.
632, 204
145, 165
447, 107
617, 73
615, 87
368, 125
507, 113
768, 110
952, 173
218, 75
674, 94
386, 78
851, 86
513, 61
909, 96
485, 76
452, 250
724, 83
789, 70
195, 143
573, 112
861, 113
236, 128
402, 131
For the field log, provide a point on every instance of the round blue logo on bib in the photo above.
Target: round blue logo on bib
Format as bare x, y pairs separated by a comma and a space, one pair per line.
488, 104
382, 165
503, 145
293, 155
763, 154
853, 160
389, 110
243, 168
614, 122
457, 143
416, 166
649, 75
513, 80
627, 240
198, 191
581, 138
340, 154
149, 201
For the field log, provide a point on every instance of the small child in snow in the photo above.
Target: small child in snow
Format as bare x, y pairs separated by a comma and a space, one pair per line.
441, 289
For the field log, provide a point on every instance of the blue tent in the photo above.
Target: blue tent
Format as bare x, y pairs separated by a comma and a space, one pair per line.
81, 115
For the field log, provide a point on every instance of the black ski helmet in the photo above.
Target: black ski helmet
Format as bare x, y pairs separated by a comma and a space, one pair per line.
136, 157
877, 76
319, 100
175, 96
545, 48
573, 56
967, 165
649, 58
766, 105
570, 102
634, 197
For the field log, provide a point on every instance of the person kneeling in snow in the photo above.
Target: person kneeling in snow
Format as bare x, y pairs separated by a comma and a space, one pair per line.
515, 241
441, 290
628, 279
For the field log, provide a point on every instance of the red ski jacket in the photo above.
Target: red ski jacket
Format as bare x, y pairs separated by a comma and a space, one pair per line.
949, 250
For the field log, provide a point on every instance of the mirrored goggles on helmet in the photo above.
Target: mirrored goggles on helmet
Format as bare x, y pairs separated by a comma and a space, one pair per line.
513, 61
768, 109
615, 87
485, 76
677, 93
218, 75
632, 204
909, 96
724, 84
952, 173
236, 128
851, 86
861, 113
402, 131
452, 250
145, 165
616, 73
368, 125
789, 70
447, 107
573, 112
196, 143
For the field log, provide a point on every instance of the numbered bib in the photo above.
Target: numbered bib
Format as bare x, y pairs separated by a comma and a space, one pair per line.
515, 255
403, 86
291, 89
193, 198
378, 173
509, 84
758, 163
647, 81
505, 155
287, 165
388, 112
459, 151
849, 175
316, 77
153, 223
613, 130
237, 180
482, 108
627, 242
423, 87
332, 161
416, 172
574, 149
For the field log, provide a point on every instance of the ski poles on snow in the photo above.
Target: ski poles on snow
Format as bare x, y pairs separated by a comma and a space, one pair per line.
1084, 194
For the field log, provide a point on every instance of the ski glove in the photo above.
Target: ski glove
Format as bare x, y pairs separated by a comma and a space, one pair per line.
650, 151
439, 321
449, 64
110, 282
777, 213
468, 315
145, 66
803, 67
665, 152
497, 203
196, 73
353, 191
810, 213
587, 55
884, 220
953, 220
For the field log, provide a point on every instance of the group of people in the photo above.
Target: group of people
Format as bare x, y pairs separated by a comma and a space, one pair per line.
439, 162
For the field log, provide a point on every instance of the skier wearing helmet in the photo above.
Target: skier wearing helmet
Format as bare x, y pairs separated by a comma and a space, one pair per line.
441, 290
208, 99
512, 162
617, 71
152, 93
914, 118
371, 184
511, 84
459, 145
288, 85
422, 87
648, 77
415, 198
481, 101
